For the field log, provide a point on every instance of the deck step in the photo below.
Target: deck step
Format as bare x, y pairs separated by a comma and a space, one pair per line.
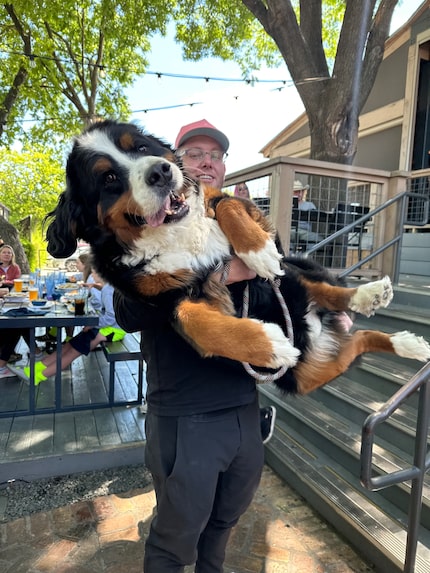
317, 441
324, 485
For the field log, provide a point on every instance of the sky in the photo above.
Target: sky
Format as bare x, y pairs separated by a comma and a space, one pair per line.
250, 116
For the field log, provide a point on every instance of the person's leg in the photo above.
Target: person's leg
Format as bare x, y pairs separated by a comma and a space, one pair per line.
80, 344
68, 354
235, 490
191, 495
9, 338
186, 481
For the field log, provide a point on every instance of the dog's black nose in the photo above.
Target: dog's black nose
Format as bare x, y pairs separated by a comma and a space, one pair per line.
159, 174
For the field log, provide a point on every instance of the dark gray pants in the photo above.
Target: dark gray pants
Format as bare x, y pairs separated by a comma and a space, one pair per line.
206, 469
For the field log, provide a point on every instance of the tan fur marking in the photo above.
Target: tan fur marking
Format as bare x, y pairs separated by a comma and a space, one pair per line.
241, 230
114, 219
126, 141
328, 296
215, 334
152, 285
170, 156
218, 295
312, 374
102, 164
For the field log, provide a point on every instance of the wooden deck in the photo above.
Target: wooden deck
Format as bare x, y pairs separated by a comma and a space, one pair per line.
48, 444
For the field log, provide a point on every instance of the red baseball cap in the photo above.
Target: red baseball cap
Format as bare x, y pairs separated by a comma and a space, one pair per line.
202, 127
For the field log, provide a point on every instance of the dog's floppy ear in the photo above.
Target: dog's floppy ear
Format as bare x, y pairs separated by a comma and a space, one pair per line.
60, 234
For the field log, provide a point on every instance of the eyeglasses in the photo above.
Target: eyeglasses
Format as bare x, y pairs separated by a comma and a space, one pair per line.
195, 154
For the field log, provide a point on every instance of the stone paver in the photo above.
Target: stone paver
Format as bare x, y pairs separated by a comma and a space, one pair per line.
279, 533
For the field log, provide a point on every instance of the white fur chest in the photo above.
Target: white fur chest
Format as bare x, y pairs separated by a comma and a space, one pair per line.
193, 243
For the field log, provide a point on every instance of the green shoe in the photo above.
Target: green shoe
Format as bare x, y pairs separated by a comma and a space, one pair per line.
24, 373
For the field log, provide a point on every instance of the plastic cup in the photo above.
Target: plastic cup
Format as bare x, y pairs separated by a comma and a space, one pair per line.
79, 306
33, 293
17, 284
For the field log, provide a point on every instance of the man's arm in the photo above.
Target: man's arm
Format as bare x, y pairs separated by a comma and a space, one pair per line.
138, 314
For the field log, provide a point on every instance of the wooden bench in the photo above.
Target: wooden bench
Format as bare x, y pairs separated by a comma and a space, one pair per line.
126, 349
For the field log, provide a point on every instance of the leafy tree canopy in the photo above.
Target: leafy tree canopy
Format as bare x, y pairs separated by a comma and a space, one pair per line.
30, 183
64, 62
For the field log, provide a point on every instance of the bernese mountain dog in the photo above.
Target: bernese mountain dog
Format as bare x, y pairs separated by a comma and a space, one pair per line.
154, 233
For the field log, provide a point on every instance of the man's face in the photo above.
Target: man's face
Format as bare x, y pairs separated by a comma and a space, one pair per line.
205, 170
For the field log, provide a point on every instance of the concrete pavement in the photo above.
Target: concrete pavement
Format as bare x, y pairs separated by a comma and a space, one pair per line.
279, 533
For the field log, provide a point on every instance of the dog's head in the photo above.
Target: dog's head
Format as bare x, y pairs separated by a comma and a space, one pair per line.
119, 179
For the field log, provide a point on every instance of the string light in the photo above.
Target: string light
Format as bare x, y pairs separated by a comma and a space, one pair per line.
160, 75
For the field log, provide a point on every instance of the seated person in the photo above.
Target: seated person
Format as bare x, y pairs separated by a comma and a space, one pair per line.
302, 233
241, 190
9, 270
82, 343
94, 283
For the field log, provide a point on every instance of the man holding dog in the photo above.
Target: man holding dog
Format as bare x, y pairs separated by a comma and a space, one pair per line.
204, 446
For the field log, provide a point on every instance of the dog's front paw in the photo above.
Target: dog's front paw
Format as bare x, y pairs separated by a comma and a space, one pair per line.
283, 352
265, 262
371, 296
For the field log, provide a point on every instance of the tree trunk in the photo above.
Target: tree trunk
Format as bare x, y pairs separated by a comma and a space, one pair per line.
334, 134
333, 96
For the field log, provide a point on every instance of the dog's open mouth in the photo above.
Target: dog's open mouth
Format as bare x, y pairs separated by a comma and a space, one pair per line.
174, 208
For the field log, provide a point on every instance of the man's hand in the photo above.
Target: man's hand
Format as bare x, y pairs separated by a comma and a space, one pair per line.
237, 272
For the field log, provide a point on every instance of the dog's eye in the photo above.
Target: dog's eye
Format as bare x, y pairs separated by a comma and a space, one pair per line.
142, 149
111, 177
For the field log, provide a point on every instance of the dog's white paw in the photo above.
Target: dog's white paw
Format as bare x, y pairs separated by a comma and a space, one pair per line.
265, 262
284, 353
410, 345
371, 296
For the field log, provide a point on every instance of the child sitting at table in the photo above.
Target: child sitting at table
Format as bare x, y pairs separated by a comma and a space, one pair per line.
82, 343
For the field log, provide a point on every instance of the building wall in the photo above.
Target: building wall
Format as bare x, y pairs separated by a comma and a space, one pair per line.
380, 150
389, 85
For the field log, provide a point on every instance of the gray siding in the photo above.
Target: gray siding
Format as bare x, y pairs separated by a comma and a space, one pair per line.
380, 150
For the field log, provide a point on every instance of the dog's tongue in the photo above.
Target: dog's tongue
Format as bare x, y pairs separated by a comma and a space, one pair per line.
158, 219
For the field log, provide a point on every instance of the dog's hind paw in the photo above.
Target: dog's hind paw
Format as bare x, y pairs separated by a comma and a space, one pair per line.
371, 296
283, 352
409, 345
265, 262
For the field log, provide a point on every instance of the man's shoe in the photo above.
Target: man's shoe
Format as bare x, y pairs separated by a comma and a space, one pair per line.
267, 422
6, 373
46, 338
24, 372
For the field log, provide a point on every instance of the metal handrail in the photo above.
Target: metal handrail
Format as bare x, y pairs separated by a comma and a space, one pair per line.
402, 199
421, 462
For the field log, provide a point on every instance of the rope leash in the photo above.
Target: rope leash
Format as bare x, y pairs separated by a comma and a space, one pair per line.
260, 376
